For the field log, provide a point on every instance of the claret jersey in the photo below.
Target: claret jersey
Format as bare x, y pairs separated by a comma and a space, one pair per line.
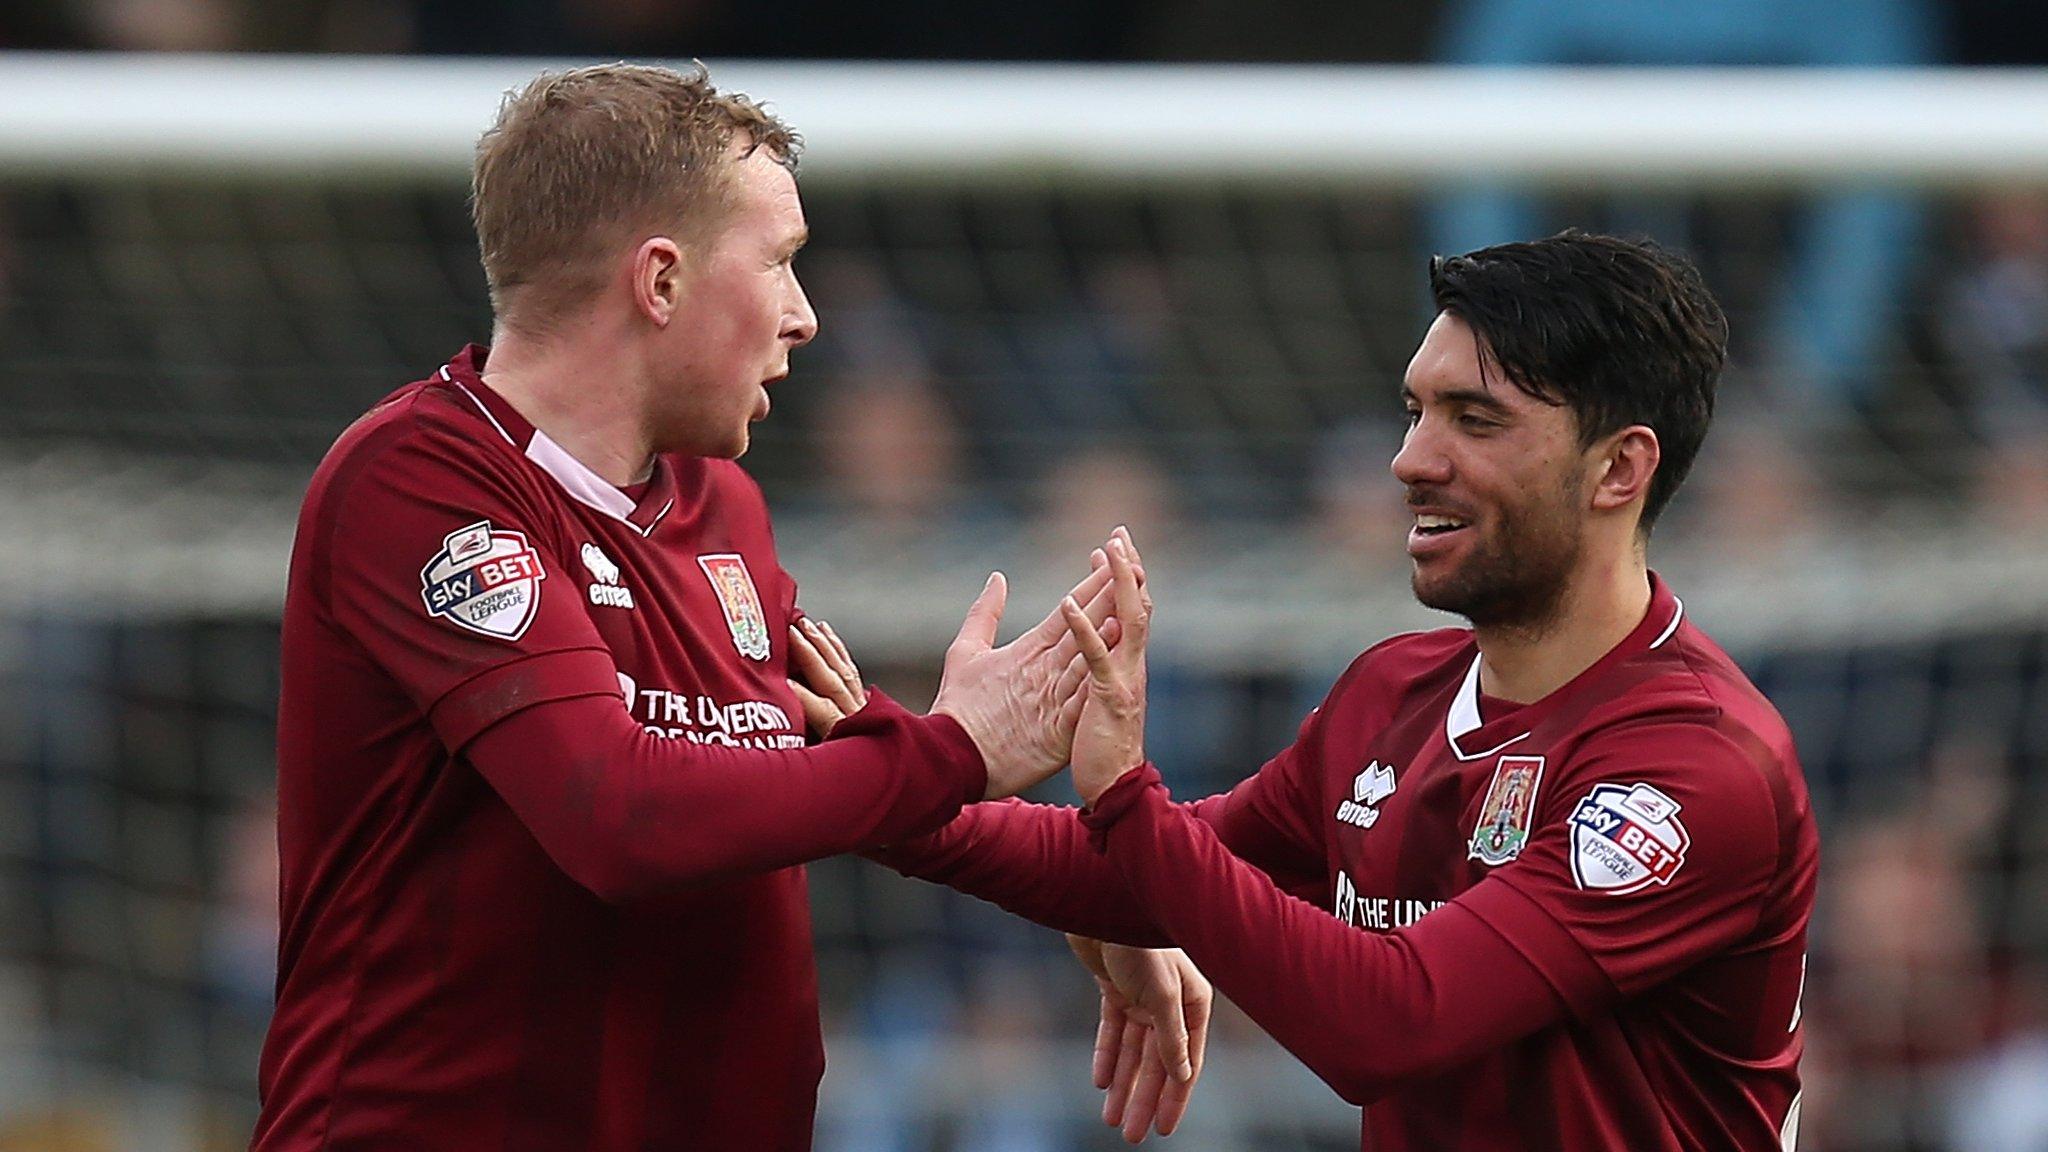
1569, 925
641, 976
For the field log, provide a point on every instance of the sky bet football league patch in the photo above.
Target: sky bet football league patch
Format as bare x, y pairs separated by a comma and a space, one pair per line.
1626, 837
484, 579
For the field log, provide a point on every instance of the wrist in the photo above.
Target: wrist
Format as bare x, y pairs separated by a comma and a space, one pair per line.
1091, 788
1118, 801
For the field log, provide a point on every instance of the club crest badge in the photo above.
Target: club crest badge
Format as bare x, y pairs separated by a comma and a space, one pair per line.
1626, 837
728, 574
1507, 812
486, 580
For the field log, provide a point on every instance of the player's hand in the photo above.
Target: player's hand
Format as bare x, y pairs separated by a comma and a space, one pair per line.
1153, 1035
1020, 702
827, 681
1110, 737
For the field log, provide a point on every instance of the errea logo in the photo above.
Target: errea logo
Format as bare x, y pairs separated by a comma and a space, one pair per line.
1370, 787
606, 592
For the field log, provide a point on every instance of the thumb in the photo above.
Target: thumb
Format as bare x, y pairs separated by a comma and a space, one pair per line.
978, 631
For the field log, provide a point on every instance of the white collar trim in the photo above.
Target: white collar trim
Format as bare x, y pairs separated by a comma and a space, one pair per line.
1464, 719
583, 486
1677, 614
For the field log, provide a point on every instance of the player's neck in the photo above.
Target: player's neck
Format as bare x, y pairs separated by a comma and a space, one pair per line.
1598, 611
568, 387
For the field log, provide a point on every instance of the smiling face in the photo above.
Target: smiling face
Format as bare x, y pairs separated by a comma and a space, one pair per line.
739, 314
1497, 482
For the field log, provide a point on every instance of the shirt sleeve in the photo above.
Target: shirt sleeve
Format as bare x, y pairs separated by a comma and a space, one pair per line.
1364, 1011
435, 565
1034, 860
438, 566
1659, 853
628, 814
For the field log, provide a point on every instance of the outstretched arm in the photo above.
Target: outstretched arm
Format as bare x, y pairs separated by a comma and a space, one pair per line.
1361, 1011
1530, 946
629, 814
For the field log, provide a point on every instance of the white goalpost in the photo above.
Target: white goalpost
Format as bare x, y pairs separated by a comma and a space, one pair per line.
195, 536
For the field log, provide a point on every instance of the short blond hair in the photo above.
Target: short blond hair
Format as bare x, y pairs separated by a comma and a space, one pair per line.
579, 160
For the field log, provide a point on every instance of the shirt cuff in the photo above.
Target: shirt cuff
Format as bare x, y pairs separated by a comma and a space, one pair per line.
956, 749
1123, 795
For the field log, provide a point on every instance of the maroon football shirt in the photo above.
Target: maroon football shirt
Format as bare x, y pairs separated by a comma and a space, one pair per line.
1577, 924
542, 791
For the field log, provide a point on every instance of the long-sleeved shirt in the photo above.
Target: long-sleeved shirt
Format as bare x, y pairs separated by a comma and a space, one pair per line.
543, 791
1577, 923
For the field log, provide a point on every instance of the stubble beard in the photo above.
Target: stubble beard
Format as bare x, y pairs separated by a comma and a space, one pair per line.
1515, 578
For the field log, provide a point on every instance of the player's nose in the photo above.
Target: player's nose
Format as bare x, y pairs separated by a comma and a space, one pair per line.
1421, 459
800, 323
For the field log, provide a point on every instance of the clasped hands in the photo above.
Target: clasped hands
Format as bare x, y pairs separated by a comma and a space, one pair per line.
1071, 689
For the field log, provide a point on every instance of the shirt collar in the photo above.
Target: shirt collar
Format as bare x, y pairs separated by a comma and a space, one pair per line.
463, 375
1471, 738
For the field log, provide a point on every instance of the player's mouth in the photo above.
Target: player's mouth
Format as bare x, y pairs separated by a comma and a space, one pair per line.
761, 409
1435, 533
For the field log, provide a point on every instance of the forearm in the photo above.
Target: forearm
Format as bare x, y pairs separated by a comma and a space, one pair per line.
1364, 1011
1032, 860
629, 814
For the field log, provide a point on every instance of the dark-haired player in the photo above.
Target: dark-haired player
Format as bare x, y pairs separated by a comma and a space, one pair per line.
1542, 884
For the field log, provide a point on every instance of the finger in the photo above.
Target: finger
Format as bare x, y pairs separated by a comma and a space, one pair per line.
1067, 688
1076, 669
837, 654
1112, 631
1170, 1033
817, 670
1050, 630
1069, 648
820, 714
1130, 1053
1130, 606
1101, 604
1123, 533
1068, 719
1173, 1101
1145, 1091
808, 663
978, 630
830, 646
1093, 649
1107, 1034
1196, 1011
1173, 1105
844, 654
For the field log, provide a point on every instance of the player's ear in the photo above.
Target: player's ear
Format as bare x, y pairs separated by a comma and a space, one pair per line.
657, 279
1624, 462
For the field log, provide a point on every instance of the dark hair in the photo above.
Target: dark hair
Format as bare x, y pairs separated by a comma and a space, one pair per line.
1619, 331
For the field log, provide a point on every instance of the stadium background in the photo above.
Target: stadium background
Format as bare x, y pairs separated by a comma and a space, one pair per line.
1014, 357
